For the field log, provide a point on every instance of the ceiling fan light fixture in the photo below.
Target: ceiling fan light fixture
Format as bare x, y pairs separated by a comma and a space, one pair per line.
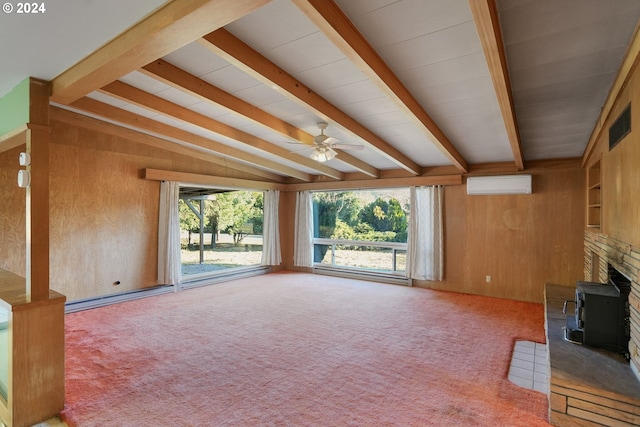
322, 154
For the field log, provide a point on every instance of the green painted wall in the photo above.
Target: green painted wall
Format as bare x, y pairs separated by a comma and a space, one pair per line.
14, 108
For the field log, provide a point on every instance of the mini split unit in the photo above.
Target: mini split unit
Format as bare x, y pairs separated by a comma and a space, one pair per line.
504, 184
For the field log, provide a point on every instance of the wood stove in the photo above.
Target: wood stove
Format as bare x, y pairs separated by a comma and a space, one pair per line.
601, 314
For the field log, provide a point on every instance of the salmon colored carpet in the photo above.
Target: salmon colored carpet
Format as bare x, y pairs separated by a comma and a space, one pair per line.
293, 349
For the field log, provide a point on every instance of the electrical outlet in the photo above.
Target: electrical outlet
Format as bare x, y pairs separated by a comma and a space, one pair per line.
488, 279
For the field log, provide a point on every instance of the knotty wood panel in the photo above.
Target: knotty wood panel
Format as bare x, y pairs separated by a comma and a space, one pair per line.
12, 214
521, 241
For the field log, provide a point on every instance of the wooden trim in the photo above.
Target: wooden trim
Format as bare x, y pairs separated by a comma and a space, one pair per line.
155, 103
172, 26
487, 22
233, 50
629, 63
532, 165
37, 200
209, 180
75, 119
378, 183
330, 19
182, 80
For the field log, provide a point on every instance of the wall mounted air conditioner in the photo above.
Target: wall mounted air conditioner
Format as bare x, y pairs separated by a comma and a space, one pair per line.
504, 184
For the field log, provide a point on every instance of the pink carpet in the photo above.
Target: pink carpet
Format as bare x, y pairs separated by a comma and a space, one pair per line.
294, 349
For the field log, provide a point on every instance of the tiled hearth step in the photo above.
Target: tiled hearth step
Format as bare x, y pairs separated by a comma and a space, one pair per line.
529, 366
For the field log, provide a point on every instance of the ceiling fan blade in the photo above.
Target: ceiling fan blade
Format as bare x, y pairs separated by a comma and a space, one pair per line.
348, 147
324, 139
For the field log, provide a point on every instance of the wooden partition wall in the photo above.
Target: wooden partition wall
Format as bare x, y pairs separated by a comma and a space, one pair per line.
34, 333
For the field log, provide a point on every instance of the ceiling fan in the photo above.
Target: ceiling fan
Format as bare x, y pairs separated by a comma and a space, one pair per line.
323, 145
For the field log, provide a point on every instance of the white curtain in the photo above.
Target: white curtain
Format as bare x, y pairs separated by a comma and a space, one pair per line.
169, 234
424, 244
303, 245
271, 230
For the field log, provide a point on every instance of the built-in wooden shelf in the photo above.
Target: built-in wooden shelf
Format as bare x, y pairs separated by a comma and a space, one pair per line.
587, 386
594, 194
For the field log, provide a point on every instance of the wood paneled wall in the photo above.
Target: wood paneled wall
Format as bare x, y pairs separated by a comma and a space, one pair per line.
620, 176
521, 241
104, 217
104, 223
12, 214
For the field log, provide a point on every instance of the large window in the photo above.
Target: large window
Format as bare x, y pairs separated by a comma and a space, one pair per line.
219, 230
361, 229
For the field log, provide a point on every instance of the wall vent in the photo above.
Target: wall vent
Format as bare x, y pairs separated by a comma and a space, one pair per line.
620, 128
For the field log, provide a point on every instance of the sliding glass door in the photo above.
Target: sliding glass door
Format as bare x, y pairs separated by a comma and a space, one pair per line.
219, 230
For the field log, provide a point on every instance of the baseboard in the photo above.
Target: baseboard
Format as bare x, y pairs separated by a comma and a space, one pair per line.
88, 303
201, 280
231, 274
363, 275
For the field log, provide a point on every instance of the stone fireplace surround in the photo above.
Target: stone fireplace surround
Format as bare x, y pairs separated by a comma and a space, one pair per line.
587, 386
600, 251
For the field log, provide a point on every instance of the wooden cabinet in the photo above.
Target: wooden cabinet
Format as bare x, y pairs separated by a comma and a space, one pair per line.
33, 389
594, 196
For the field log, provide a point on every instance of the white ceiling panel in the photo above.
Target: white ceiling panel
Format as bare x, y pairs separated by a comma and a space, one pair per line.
461, 40
196, 59
141, 81
563, 58
332, 75
418, 17
230, 79
275, 24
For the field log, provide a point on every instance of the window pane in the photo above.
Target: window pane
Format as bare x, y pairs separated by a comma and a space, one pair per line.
371, 215
347, 218
231, 231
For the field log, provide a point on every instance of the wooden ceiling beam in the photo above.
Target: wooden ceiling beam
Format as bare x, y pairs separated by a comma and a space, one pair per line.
250, 163
82, 121
174, 25
330, 19
186, 82
485, 16
233, 50
155, 103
